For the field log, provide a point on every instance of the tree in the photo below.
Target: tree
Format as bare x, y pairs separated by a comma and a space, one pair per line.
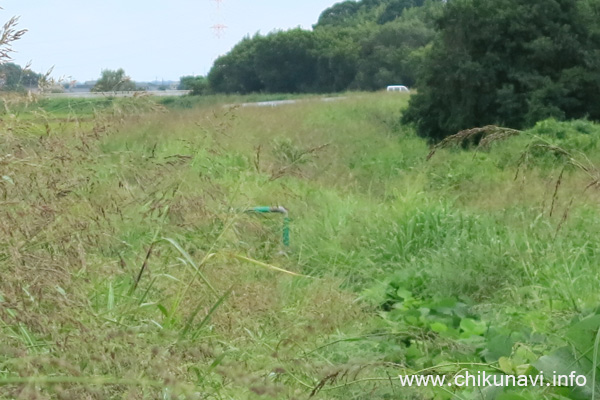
509, 62
337, 53
395, 8
348, 49
388, 55
15, 78
278, 62
197, 84
354, 13
285, 62
339, 14
114, 81
235, 72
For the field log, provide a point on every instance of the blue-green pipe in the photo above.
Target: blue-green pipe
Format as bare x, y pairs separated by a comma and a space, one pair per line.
286, 219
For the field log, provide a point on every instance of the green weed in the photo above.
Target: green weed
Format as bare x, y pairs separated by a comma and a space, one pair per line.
130, 271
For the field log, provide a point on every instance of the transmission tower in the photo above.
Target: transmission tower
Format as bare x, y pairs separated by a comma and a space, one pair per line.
219, 28
218, 3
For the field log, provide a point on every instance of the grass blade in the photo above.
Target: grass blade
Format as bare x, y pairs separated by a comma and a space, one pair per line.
267, 266
191, 262
211, 312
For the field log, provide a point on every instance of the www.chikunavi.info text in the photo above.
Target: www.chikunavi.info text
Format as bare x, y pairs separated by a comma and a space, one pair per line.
484, 379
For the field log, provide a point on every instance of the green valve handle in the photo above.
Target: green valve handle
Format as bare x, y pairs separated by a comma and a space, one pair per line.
286, 231
286, 219
262, 209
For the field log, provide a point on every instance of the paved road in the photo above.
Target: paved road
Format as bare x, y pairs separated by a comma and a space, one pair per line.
275, 103
284, 102
118, 94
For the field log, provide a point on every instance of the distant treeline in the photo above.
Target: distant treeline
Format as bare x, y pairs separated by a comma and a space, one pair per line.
14, 78
474, 62
362, 45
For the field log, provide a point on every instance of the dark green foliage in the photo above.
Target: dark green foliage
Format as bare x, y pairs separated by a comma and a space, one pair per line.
197, 84
510, 63
353, 13
337, 59
285, 62
363, 45
280, 62
386, 57
235, 72
114, 81
339, 14
13, 78
395, 8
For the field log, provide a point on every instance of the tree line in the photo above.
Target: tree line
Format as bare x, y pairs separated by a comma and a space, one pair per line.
473, 62
14, 78
363, 45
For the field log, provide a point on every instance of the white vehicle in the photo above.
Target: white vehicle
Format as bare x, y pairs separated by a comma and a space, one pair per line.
397, 88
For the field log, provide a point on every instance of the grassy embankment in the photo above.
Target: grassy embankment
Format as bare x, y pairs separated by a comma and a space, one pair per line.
129, 271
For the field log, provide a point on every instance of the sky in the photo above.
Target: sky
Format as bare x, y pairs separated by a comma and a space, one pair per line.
149, 39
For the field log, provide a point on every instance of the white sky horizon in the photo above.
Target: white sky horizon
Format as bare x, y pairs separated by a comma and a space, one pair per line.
151, 40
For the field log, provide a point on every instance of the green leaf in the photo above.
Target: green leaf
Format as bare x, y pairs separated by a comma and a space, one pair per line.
438, 327
563, 362
511, 396
404, 294
506, 365
163, 310
526, 369
497, 346
472, 327
582, 335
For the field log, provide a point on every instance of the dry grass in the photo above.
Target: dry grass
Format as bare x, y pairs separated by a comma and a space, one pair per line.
481, 137
9, 34
88, 311
92, 306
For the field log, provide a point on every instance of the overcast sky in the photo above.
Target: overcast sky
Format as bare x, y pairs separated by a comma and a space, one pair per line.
150, 39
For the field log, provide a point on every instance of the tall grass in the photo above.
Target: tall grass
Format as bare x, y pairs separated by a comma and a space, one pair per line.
408, 259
